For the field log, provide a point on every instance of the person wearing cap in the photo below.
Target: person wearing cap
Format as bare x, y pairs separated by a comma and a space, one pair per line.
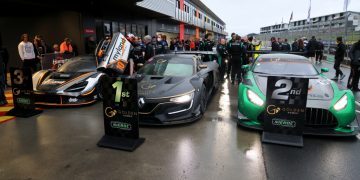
66, 47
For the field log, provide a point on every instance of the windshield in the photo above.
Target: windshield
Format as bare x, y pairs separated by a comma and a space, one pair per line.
78, 65
285, 67
169, 66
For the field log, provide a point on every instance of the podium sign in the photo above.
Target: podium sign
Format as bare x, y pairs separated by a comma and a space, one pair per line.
121, 113
285, 110
23, 93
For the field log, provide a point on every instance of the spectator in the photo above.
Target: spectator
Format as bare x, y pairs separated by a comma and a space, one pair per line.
310, 48
27, 53
295, 46
222, 55
280, 42
4, 55
301, 46
66, 47
192, 45
55, 49
286, 46
172, 44
339, 57
274, 44
354, 54
39, 50
149, 49
90, 45
319, 51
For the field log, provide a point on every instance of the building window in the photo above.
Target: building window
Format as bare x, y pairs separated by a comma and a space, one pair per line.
178, 4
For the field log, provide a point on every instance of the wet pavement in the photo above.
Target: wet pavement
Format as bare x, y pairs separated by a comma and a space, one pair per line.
61, 144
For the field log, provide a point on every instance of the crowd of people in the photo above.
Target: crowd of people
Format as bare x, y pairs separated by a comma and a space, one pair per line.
231, 55
314, 50
31, 52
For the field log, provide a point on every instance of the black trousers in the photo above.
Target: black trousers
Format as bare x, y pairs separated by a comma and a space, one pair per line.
319, 55
353, 81
236, 67
228, 68
222, 69
337, 68
30, 63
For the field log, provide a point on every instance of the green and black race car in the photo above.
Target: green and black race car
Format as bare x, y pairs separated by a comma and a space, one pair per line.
330, 110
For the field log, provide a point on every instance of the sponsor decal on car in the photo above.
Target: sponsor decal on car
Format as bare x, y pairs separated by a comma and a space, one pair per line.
73, 100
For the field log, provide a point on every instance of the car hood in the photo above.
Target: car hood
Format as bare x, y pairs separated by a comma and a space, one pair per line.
159, 87
320, 88
56, 81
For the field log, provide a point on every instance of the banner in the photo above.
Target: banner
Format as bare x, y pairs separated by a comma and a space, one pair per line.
121, 114
285, 111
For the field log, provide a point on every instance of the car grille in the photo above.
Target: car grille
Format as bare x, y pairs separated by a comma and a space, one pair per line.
148, 107
320, 118
53, 99
315, 118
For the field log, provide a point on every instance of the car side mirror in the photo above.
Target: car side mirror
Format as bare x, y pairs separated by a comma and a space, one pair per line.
203, 66
245, 67
324, 70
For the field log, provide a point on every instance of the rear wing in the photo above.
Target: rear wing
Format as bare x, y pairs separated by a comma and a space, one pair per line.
117, 54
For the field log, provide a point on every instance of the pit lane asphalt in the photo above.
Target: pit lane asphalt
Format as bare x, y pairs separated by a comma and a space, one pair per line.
61, 144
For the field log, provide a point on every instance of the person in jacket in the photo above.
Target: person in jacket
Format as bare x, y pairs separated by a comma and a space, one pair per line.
319, 51
274, 44
311, 48
285, 46
149, 49
339, 57
66, 46
222, 55
4, 54
295, 46
354, 54
237, 51
27, 53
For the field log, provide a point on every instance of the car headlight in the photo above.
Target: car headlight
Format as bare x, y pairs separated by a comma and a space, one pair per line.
254, 98
183, 99
341, 104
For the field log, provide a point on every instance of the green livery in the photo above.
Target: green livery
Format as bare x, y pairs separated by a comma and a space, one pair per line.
330, 110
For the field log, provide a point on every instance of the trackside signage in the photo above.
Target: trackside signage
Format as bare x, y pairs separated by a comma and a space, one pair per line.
285, 110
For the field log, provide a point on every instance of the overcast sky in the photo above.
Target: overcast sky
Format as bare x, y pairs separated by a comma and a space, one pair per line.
247, 16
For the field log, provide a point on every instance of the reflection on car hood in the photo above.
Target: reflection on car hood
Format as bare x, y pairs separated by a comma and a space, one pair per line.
157, 87
59, 81
319, 87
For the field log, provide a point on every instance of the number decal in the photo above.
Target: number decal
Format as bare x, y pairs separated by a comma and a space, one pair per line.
19, 77
277, 93
118, 86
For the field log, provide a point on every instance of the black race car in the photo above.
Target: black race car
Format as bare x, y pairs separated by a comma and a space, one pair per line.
175, 88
